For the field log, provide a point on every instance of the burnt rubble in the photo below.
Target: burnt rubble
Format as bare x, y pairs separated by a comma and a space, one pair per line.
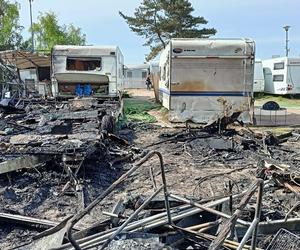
70, 181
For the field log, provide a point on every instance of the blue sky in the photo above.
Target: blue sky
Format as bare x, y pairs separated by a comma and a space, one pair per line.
261, 20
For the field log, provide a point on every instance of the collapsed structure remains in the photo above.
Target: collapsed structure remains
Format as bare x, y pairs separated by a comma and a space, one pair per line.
76, 175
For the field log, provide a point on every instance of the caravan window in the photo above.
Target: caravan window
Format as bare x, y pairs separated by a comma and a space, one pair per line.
279, 65
84, 64
129, 74
278, 78
144, 74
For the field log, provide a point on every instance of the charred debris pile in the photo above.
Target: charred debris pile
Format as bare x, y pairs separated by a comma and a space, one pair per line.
64, 172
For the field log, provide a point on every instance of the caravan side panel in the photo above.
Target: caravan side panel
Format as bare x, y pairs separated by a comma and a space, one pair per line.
119, 85
206, 86
259, 80
293, 74
164, 74
110, 69
202, 89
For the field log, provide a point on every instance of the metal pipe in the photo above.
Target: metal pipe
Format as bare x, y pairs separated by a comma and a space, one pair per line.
248, 234
103, 235
257, 214
210, 210
31, 24
144, 227
131, 217
154, 220
131, 226
203, 225
119, 216
229, 225
286, 28
160, 222
82, 213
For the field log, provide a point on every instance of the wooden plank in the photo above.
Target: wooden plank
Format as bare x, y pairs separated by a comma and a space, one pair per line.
28, 161
30, 221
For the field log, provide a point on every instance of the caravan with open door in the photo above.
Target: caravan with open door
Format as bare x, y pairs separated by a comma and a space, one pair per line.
206, 79
259, 80
282, 75
99, 67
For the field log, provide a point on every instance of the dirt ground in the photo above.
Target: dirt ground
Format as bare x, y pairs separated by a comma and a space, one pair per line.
185, 166
193, 169
141, 93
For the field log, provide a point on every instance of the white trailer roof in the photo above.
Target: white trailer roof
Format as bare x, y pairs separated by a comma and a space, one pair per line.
137, 66
212, 46
72, 50
282, 58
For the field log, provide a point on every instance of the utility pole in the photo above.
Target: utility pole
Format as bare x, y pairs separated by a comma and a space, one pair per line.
287, 50
32, 34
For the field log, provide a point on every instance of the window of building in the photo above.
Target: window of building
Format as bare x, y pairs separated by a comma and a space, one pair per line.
44, 73
84, 64
278, 78
129, 74
144, 74
279, 65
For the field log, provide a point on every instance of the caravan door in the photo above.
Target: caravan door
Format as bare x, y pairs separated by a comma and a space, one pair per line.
293, 75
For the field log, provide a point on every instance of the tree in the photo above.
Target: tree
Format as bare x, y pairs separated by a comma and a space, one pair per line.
160, 20
48, 32
10, 29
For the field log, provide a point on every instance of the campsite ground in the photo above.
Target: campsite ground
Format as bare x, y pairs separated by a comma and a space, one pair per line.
289, 117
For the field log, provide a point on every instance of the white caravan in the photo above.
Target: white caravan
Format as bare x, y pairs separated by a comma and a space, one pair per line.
135, 76
282, 75
99, 66
202, 80
259, 80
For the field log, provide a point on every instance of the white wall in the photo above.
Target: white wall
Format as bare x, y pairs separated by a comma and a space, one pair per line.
135, 78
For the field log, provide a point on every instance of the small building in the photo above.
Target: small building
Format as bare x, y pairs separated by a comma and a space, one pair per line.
33, 70
135, 76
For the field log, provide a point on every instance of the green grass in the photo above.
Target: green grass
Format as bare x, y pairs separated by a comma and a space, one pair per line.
285, 102
275, 130
137, 110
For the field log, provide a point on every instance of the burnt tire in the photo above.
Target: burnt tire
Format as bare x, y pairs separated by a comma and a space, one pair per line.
108, 124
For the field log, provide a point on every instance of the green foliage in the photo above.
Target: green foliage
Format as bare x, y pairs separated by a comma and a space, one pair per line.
160, 20
49, 33
74, 36
10, 29
137, 110
26, 45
